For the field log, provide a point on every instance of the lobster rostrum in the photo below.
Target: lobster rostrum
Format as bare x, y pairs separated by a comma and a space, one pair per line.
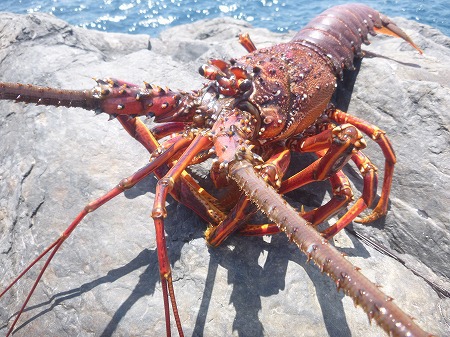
248, 118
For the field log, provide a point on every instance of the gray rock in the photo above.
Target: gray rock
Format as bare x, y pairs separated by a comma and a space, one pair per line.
105, 280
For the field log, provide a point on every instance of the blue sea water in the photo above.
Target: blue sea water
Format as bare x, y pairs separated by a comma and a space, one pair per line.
151, 17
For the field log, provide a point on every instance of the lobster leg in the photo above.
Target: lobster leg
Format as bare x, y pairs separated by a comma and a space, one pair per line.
340, 142
166, 129
164, 186
346, 276
342, 196
343, 139
274, 169
188, 192
380, 138
137, 129
272, 172
368, 171
123, 185
259, 229
342, 193
237, 217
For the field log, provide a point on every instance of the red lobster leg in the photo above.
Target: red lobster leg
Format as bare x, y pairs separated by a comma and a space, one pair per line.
53, 248
342, 196
340, 142
137, 129
259, 229
164, 186
380, 138
346, 141
369, 173
276, 166
272, 172
188, 191
167, 129
237, 217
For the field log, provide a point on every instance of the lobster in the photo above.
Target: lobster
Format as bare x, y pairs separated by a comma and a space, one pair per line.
251, 115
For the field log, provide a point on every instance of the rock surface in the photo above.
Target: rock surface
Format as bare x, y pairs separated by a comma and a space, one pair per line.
105, 279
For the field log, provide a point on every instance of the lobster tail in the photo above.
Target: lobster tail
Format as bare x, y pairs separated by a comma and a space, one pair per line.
339, 32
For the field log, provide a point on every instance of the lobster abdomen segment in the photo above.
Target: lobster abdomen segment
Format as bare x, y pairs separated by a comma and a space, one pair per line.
339, 32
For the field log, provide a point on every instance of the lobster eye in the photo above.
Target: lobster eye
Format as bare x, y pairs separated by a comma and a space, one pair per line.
245, 85
201, 71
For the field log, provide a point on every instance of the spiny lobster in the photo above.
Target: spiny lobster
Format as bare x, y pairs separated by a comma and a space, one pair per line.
251, 115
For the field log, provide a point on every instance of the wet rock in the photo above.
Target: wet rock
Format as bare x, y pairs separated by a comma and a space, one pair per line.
105, 279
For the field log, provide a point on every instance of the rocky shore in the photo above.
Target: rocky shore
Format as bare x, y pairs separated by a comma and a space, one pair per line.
105, 280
